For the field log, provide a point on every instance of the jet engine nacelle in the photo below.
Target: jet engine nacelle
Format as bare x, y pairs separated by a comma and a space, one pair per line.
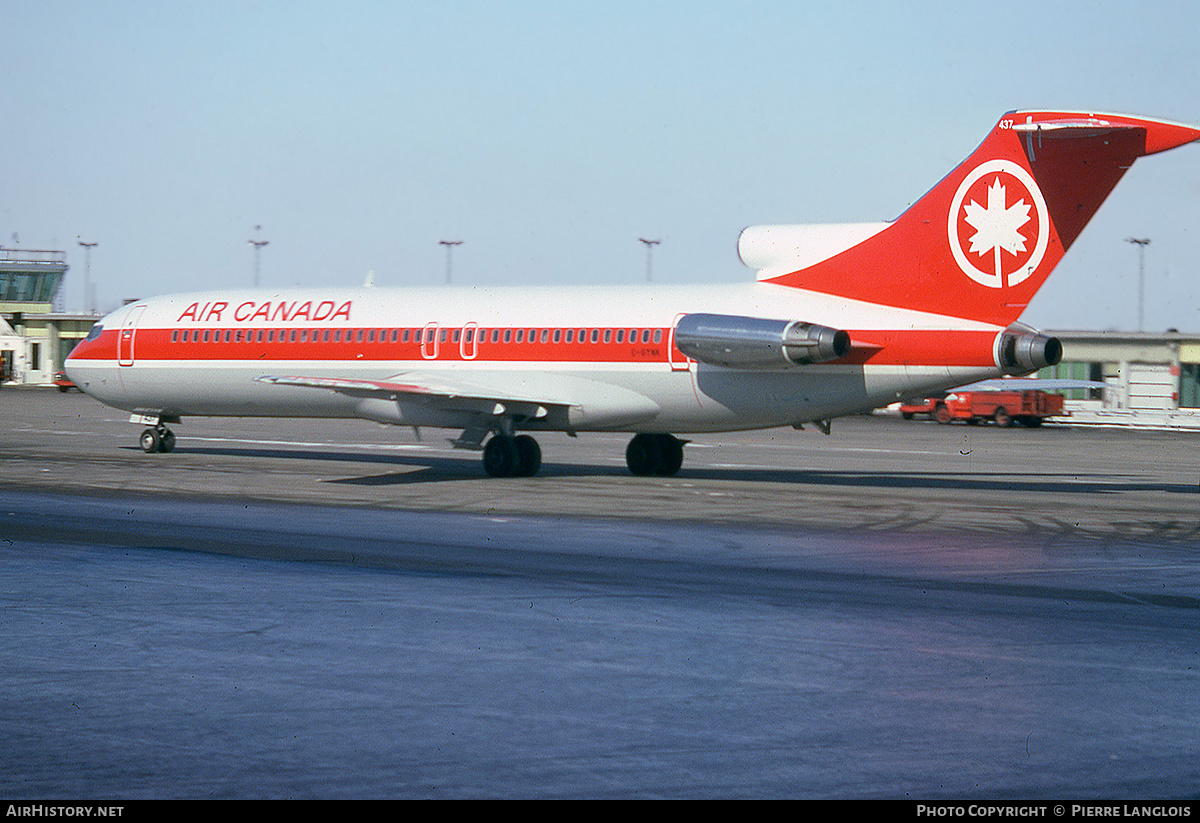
756, 343
1020, 351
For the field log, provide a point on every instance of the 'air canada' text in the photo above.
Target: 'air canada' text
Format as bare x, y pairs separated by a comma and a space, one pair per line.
270, 311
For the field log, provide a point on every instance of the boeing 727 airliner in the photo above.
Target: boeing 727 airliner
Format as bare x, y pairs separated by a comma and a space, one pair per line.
841, 319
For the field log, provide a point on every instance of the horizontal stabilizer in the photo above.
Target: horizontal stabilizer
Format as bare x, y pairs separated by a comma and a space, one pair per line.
1160, 134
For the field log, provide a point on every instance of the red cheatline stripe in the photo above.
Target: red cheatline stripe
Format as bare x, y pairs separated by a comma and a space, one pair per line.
874, 347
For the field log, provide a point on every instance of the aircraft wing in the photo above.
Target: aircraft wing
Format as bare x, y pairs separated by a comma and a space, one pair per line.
532, 396
435, 389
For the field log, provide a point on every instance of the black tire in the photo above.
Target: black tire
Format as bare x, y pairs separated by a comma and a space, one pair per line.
658, 455
1002, 418
529, 456
500, 456
942, 414
672, 455
151, 441
166, 441
641, 455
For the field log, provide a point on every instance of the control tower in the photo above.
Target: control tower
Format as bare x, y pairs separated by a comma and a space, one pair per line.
34, 339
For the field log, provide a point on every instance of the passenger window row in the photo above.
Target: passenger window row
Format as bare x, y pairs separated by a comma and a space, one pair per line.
425, 335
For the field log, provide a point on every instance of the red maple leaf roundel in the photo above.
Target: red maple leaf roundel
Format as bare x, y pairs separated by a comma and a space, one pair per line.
997, 224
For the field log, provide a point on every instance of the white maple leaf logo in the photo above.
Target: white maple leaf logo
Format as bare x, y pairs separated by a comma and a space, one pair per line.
996, 227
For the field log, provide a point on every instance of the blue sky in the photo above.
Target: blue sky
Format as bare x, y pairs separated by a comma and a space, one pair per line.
548, 137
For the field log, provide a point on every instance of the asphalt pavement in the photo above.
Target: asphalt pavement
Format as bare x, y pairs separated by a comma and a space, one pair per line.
328, 609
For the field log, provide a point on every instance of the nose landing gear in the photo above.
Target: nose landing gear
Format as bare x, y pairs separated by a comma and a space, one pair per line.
157, 439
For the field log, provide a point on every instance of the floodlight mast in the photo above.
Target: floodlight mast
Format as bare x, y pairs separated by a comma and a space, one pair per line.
258, 244
650, 244
449, 244
1141, 243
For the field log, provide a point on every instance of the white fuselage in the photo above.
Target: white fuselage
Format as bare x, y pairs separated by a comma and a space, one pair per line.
205, 354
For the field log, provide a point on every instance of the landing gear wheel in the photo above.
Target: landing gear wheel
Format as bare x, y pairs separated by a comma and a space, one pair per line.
672, 455
508, 456
640, 455
529, 456
658, 455
151, 441
500, 456
160, 439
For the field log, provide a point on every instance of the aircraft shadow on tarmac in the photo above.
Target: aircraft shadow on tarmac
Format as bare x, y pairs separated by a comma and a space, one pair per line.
434, 469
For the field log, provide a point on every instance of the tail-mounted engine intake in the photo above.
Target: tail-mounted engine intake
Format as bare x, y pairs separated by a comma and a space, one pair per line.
755, 343
1020, 351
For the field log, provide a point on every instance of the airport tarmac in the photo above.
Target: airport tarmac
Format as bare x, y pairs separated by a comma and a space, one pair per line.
872, 472
338, 609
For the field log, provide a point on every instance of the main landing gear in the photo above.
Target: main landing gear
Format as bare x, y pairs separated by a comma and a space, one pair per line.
658, 455
157, 439
509, 456
648, 455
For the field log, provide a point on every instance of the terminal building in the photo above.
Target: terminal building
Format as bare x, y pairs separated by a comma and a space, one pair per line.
1144, 378
35, 339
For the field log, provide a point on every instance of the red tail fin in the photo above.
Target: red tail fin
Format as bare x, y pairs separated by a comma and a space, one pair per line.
981, 242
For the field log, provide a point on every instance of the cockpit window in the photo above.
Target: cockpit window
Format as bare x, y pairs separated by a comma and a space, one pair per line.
95, 332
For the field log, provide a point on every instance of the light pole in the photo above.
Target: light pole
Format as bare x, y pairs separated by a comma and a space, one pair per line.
650, 244
87, 275
258, 244
1141, 243
449, 244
